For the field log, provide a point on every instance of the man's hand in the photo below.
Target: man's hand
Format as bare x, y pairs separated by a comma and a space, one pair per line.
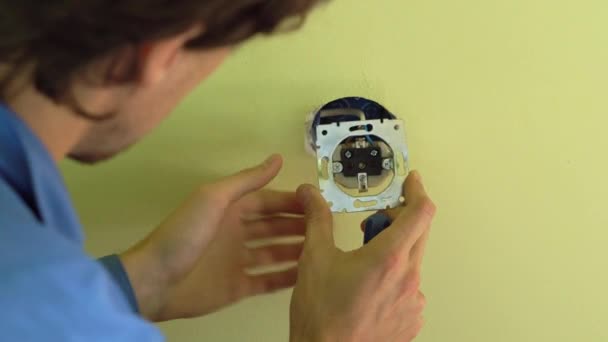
367, 295
195, 262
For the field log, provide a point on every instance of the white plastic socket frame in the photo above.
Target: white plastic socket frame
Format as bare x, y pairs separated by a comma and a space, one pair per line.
329, 141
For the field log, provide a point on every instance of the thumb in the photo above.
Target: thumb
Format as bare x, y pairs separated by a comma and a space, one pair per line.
252, 179
319, 220
410, 224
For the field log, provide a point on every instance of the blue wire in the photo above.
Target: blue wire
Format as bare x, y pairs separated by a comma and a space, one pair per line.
371, 109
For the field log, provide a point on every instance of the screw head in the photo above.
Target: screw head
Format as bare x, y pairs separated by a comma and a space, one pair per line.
348, 154
387, 164
374, 153
337, 167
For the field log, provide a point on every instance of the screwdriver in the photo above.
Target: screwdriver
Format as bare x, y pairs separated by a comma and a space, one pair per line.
374, 225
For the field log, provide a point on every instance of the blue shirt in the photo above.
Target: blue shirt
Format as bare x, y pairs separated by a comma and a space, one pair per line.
50, 289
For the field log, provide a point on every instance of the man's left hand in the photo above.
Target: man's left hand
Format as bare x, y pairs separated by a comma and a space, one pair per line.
196, 261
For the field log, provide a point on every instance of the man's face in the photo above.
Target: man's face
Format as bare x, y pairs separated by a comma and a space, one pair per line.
147, 106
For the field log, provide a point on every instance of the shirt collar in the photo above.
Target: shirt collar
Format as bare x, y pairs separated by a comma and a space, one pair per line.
27, 166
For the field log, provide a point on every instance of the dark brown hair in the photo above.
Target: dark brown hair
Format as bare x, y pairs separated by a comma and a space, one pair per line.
59, 37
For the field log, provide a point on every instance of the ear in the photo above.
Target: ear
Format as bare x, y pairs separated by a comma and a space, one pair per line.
155, 58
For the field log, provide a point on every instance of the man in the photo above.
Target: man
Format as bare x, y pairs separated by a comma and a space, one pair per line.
85, 80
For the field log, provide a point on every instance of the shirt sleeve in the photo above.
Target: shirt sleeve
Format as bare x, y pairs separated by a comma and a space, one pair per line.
115, 268
51, 290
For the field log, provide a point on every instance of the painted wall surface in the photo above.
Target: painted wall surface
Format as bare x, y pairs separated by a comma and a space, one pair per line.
506, 107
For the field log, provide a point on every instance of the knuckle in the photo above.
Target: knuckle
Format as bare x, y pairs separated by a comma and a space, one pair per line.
426, 207
411, 285
411, 333
324, 213
391, 261
418, 326
421, 304
320, 215
414, 329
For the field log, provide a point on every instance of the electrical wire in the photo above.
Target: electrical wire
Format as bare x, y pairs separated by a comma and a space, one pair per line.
371, 111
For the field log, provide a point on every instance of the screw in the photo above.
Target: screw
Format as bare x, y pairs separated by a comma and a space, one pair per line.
337, 167
387, 164
362, 166
374, 153
348, 154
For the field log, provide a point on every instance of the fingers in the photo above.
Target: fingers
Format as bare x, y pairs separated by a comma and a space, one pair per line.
269, 202
236, 186
276, 227
275, 254
393, 213
270, 282
411, 223
319, 220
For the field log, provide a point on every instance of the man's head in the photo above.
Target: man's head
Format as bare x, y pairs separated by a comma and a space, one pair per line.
125, 64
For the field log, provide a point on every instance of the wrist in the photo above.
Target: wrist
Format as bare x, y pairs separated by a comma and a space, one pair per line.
148, 283
310, 334
310, 338
303, 338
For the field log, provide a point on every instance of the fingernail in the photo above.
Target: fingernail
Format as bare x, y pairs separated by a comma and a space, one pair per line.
304, 193
270, 160
417, 176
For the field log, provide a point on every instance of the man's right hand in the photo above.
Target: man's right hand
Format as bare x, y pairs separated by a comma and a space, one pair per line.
367, 295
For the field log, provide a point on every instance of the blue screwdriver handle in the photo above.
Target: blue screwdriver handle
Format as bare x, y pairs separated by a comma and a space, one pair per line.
374, 225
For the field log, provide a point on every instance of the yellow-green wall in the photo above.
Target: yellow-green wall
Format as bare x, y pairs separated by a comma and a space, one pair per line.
506, 107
